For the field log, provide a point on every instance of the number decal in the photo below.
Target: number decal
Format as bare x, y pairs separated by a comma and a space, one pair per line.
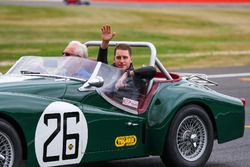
53, 135
61, 135
70, 136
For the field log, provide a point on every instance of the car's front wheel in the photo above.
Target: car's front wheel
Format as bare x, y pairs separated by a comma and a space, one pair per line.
190, 138
10, 146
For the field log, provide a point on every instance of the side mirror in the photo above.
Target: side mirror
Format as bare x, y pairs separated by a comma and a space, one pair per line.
96, 82
92, 82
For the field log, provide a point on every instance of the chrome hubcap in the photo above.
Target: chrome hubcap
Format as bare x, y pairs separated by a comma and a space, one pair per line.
191, 138
6, 151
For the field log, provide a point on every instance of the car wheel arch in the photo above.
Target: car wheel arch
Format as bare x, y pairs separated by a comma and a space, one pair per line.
159, 148
194, 104
19, 131
206, 108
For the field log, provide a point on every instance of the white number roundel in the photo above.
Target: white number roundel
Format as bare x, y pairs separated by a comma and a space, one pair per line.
61, 135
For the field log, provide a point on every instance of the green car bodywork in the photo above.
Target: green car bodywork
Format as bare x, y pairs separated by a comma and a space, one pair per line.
114, 133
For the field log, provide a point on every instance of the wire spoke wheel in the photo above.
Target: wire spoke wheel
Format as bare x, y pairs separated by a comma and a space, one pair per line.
6, 151
191, 138
10, 146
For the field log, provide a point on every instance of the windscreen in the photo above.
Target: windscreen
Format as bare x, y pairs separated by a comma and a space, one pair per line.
126, 95
64, 66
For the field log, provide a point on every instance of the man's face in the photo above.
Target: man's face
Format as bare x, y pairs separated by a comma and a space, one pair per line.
122, 59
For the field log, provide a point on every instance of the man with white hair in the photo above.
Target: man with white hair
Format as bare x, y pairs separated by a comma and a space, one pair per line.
74, 67
77, 49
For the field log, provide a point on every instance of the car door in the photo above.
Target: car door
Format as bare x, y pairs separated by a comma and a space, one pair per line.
112, 132
115, 130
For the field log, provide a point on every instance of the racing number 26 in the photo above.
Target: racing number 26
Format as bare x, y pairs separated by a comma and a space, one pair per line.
66, 136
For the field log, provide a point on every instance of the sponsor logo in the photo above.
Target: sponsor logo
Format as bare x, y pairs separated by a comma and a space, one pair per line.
130, 102
122, 141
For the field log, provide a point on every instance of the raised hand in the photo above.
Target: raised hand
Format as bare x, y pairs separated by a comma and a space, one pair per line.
106, 35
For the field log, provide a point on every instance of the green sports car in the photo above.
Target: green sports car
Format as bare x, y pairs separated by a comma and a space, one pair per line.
57, 111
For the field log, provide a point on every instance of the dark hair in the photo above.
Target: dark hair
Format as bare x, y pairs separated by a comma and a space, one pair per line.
123, 47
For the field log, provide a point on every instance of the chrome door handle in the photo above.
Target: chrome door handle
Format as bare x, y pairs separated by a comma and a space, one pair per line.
132, 124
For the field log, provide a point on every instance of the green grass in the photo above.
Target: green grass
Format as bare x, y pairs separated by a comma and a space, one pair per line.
176, 33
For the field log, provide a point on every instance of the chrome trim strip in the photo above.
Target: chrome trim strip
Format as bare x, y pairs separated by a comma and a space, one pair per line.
56, 76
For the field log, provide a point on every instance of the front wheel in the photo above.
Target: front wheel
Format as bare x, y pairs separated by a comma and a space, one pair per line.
10, 146
190, 138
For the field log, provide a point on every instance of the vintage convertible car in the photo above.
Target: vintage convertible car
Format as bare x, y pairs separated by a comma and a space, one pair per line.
58, 111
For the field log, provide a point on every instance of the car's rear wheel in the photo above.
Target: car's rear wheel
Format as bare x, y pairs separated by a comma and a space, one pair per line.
10, 146
190, 138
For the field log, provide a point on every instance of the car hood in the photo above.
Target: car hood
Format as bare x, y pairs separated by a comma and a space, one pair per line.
41, 86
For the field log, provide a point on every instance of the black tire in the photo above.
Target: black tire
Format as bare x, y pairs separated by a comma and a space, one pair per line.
190, 139
10, 145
